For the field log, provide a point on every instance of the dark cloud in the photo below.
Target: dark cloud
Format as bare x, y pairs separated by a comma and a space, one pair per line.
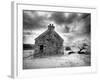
60, 18
27, 33
66, 29
88, 24
33, 22
87, 20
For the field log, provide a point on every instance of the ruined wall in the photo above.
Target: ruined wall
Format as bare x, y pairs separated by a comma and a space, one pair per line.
50, 47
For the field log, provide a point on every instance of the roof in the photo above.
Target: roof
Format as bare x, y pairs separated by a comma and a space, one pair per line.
50, 31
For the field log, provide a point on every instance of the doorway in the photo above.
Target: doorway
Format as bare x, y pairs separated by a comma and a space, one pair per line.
41, 48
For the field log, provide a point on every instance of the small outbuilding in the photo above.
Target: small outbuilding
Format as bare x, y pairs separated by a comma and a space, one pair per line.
48, 43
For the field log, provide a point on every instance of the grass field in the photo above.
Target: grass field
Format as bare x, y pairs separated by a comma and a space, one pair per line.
72, 60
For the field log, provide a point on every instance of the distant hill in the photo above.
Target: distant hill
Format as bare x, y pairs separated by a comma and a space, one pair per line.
28, 46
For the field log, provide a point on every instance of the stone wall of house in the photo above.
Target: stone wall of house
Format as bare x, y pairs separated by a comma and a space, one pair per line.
49, 47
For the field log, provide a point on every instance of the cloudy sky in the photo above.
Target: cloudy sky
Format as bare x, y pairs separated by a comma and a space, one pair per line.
70, 26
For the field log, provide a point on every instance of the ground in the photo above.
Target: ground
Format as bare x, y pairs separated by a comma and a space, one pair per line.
72, 60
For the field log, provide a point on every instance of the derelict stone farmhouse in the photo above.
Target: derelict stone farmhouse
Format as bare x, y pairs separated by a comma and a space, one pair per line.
48, 43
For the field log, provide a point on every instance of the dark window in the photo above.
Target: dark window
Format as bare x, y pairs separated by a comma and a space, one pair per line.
41, 48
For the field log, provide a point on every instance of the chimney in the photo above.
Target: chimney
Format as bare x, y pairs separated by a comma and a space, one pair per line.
51, 27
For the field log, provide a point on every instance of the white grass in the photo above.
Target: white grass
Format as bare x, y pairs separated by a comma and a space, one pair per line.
72, 60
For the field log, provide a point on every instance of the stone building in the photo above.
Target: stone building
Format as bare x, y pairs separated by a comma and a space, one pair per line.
48, 43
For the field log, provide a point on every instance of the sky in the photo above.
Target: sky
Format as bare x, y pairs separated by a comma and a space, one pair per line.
70, 26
